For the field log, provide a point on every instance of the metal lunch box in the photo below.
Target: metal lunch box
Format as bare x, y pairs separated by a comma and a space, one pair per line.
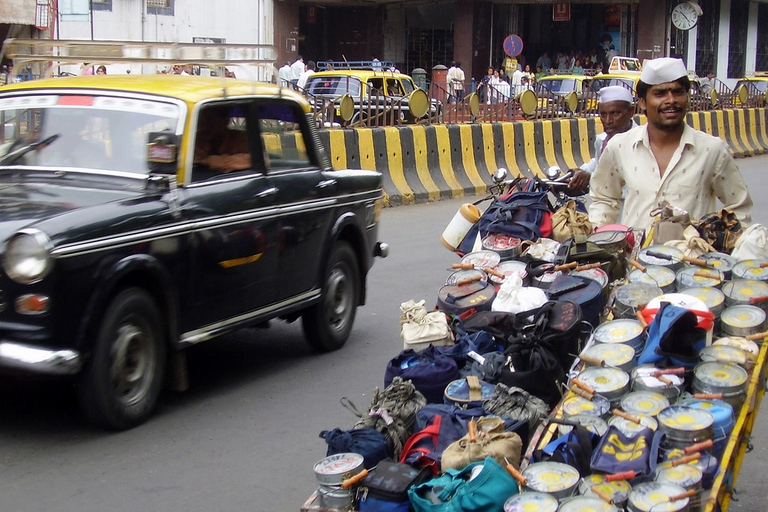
684, 425
509, 268
610, 383
726, 378
633, 297
543, 274
611, 241
751, 269
586, 504
471, 275
644, 402
481, 259
742, 320
574, 405
643, 380
630, 428
749, 347
720, 261
687, 476
663, 277
654, 497
596, 274
670, 257
531, 502
616, 355
739, 291
627, 331
726, 354
725, 420
506, 246
690, 277
334, 469
594, 424
336, 498
617, 490
558, 479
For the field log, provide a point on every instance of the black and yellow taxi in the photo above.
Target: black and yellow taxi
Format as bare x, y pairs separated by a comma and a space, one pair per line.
565, 93
752, 90
143, 214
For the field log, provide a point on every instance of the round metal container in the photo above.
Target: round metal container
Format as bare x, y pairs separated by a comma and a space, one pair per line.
685, 425
596, 274
726, 378
687, 476
630, 428
611, 241
586, 504
644, 402
720, 261
482, 259
642, 380
506, 246
336, 497
663, 277
509, 268
750, 269
654, 497
742, 320
543, 279
617, 490
575, 405
632, 297
739, 291
594, 424
334, 469
610, 383
750, 348
725, 420
615, 355
627, 331
687, 278
674, 258
726, 354
559, 480
457, 276
531, 502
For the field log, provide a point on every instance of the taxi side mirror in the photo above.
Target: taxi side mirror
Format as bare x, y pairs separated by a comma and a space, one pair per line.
162, 152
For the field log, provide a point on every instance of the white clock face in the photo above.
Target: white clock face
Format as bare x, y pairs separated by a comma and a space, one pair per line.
684, 16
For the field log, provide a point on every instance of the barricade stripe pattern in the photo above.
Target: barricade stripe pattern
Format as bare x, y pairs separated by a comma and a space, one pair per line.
568, 143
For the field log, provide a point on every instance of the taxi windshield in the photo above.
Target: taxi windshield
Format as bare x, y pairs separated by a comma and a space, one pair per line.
599, 83
334, 85
560, 85
83, 131
760, 85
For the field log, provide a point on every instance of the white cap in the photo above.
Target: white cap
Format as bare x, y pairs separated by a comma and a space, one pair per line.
662, 70
614, 93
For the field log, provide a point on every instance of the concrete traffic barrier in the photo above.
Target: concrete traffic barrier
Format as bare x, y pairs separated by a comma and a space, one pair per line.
429, 163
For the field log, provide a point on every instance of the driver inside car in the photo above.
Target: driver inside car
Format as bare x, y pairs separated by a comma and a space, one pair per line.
219, 147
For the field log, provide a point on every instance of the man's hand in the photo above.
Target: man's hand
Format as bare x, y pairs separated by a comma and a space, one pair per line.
579, 181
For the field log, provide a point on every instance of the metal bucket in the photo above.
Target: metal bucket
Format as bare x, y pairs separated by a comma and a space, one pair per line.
473, 275
742, 320
642, 380
685, 426
726, 378
673, 257
616, 355
714, 300
558, 479
575, 405
626, 331
725, 420
586, 504
720, 261
750, 348
610, 383
531, 502
726, 354
507, 247
481, 259
654, 497
509, 268
633, 297
334, 469
617, 490
739, 291
630, 428
336, 498
663, 277
644, 402
750, 269
687, 278
687, 476
594, 424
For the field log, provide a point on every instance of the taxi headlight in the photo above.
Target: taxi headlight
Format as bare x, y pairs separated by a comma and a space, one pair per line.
27, 257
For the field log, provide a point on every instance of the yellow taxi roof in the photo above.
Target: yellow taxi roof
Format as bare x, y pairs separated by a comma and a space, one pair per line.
190, 89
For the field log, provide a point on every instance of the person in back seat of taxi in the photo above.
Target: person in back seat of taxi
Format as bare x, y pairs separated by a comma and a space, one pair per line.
217, 146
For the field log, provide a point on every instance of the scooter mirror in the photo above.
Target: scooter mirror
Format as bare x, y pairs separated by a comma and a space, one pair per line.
553, 172
500, 175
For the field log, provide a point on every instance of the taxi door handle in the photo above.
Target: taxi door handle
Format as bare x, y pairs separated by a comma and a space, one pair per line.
267, 192
326, 184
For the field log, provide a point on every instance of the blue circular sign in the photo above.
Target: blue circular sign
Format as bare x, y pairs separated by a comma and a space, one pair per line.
513, 45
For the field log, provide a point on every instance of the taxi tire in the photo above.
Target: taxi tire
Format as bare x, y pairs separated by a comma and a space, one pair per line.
131, 328
328, 323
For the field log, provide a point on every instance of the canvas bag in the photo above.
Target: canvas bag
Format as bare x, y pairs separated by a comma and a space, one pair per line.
420, 328
676, 333
368, 442
617, 452
490, 441
568, 222
429, 370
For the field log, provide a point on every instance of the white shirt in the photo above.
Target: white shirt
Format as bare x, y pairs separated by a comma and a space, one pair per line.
284, 75
302, 83
297, 68
456, 78
700, 171
599, 141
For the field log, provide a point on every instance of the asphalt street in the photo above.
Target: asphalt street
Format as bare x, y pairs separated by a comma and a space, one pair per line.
245, 436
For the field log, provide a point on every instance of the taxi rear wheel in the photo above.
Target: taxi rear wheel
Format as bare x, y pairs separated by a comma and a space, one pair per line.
123, 379
328, 323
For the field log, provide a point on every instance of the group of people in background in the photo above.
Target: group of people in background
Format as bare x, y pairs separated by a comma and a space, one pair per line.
295, 75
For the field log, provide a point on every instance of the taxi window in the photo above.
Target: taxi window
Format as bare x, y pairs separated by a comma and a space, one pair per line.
376, 86
563, 85
394, 88
281, 136
408, 86
334, 86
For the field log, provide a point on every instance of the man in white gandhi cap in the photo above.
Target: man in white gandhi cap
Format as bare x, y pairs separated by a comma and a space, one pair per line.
665, 159
616, 109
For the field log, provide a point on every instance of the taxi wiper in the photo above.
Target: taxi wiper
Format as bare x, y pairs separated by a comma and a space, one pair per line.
14, 155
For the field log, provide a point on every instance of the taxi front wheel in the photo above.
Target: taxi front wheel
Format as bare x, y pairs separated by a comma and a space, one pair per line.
328, 323
123, 378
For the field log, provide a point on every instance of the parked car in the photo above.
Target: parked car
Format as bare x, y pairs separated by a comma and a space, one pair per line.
753, 87
140, 215
553, 92
378, 97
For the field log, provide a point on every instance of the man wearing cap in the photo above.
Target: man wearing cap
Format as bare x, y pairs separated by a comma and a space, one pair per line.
665, 160
616, 111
